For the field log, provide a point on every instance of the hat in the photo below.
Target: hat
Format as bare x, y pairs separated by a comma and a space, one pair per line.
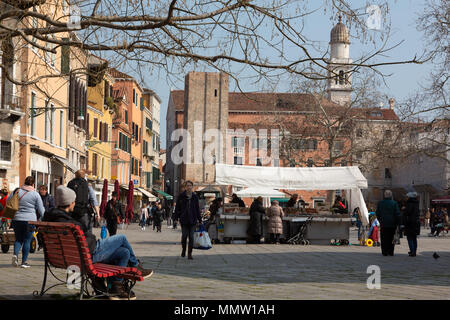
411, 194
64, 196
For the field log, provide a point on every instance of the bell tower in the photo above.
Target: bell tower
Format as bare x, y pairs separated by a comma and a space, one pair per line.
339, 72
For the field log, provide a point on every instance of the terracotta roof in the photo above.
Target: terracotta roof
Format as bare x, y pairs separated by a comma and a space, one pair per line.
118, 74
302, 102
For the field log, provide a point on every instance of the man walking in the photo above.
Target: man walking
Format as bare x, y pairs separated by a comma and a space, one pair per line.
113, 214
388, 214
81, 210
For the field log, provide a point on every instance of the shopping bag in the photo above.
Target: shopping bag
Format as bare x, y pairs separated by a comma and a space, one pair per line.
201, 239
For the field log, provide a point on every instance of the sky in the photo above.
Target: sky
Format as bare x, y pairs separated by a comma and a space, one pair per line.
403, 79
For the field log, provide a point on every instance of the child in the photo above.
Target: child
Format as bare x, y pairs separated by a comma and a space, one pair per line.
373, 231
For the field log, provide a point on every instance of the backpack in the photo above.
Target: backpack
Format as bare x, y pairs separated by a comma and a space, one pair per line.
81, 188
12, 205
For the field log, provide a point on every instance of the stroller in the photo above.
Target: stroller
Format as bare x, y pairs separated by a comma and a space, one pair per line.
299, 238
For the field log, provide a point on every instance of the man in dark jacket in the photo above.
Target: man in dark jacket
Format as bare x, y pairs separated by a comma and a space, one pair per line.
411, 221
114, 250
47, 199
113, 214
187, 211
80, 186
388, 215
257, 213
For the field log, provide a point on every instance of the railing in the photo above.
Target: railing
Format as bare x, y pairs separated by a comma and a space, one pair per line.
11, 102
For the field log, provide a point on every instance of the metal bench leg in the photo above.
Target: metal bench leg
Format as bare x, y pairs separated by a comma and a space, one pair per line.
43, 282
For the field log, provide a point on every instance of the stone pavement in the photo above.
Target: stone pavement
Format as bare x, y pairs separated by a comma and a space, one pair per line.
240, 271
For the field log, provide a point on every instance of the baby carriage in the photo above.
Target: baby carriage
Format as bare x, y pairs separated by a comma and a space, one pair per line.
299, 237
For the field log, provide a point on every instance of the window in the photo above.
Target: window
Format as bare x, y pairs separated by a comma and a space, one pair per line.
387, 173
237, 142
5, 150
61, 128
95, 127
33, 113
94, 164
276, 162
52, 123
148, 124
260, 143
358, 155
359, 133
46, 121
259, 162
238, 160
341, 77
134, 96
126, 117
34, 23
305, 144
310, 162
338, 146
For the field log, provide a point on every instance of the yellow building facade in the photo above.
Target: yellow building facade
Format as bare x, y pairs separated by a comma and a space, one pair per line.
99, 117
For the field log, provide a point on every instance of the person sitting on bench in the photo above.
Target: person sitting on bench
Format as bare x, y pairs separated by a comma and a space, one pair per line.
114, 250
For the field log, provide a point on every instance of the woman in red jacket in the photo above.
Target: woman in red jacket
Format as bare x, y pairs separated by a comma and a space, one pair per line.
3, 197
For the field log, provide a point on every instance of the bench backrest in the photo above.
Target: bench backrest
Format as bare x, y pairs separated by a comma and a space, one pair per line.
64, 245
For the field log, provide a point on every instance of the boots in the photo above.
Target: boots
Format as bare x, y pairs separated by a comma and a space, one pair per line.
190, 252
183, 252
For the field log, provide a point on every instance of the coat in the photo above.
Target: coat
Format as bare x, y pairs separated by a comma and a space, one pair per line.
411, 217
113, 211
30, 204
58, 215
256, 217
388, 213
188, 212
275, 224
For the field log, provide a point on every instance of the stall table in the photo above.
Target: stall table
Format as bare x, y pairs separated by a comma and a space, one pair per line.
323, 228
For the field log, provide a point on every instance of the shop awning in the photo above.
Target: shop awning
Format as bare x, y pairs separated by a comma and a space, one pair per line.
65, 163
147, 194
165, 195
135, 191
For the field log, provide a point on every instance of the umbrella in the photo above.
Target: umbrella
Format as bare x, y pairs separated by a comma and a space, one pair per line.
116, 188
104, 198
130, 199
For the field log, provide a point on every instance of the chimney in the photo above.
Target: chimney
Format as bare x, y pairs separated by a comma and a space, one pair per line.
391, 103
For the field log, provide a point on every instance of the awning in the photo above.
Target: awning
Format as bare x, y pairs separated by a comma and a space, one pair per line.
135, 191
165, 195
426, 188
65, 163
291, 178
208, 189
150, 196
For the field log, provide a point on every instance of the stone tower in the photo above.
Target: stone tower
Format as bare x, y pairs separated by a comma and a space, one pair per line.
340, 78
206, 109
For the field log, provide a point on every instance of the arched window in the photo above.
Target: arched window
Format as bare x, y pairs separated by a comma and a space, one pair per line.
341, 77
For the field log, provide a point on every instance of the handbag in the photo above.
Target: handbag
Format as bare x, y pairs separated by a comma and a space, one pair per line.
12, 205
201, 239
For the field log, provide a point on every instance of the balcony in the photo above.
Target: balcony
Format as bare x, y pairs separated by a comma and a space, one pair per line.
11, 107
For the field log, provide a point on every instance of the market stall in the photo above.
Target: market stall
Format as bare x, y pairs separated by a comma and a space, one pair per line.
324, 226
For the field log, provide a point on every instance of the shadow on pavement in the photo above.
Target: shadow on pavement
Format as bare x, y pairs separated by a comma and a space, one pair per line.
298, 267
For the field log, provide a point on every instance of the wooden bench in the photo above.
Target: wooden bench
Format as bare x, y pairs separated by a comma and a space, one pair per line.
65, 246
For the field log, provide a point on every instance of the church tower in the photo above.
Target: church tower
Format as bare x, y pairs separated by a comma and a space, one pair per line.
340, 79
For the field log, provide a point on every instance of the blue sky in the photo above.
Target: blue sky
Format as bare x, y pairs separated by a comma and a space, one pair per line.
404, 80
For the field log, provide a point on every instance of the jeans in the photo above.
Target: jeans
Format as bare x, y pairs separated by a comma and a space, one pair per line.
412, 243
187, 230
359, 224
115, 250
23, 235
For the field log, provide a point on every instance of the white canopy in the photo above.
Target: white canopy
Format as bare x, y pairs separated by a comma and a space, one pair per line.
295, 178
298, 178
258, 191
